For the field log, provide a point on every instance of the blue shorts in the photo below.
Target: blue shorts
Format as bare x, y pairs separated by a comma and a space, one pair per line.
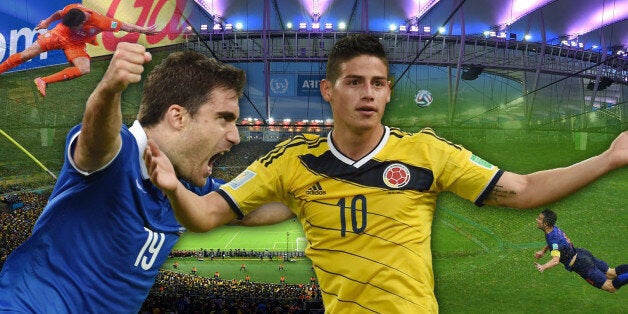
592, 269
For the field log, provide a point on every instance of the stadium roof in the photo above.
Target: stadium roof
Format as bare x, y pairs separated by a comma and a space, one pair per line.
590, 24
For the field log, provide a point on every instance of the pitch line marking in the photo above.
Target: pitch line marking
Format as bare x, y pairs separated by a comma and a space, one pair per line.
232, 238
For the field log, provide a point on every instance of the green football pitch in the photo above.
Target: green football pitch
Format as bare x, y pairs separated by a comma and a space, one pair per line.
483, 257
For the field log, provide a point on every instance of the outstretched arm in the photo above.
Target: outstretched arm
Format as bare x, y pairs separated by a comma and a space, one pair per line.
43, 24
267, 214
150, 30
99, 140
551, 263
544, 187
196, 213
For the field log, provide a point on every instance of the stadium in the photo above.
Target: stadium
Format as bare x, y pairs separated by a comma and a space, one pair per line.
526, 85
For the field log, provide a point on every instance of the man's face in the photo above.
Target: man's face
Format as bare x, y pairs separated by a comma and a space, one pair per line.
208, 135
539, 221
360, 94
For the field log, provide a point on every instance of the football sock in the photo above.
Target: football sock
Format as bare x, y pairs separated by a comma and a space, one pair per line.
65, 74
11, 62
620, 281
621, 269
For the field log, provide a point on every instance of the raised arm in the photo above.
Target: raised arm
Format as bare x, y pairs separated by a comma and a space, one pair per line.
545, 187
43, 24
99, 140
196, 213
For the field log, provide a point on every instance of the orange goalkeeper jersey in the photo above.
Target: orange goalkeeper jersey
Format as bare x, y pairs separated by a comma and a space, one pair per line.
96, 24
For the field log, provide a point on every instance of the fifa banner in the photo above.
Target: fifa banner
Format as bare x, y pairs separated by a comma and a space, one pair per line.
282, 85
19, 18
309, 84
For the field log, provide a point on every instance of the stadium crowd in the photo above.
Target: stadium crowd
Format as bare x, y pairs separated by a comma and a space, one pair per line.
237, 253
175, 292
16, 225
229, 165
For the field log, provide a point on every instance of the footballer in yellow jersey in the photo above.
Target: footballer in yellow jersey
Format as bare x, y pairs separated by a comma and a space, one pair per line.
367, 222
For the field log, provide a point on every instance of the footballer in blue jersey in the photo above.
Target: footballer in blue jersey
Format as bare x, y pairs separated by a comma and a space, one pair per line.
126, 241
557, 240
107, 229
592, 269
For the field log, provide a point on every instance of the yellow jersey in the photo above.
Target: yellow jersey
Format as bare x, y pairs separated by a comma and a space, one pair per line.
367, 222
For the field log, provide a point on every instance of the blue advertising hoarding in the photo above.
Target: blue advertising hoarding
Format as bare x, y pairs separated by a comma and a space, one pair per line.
309, 84
282, 85
18, 19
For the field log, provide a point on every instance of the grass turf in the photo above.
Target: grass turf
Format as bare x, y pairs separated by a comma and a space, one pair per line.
483, 257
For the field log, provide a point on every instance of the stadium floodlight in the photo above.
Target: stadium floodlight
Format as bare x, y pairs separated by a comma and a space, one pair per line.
392, 27
302, 26
328, 26
342, 25
289, 25
403, 28
527, 37
316, 26
239, 26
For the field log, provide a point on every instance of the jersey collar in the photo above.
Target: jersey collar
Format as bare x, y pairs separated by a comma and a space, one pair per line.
141, 139
363, 160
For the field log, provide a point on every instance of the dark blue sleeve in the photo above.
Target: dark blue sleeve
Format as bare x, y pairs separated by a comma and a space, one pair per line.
211, 184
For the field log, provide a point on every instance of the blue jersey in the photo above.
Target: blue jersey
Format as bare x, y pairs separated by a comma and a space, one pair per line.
100, 241
558, 240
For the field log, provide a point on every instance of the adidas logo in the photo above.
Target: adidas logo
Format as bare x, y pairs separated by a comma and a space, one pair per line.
315, 189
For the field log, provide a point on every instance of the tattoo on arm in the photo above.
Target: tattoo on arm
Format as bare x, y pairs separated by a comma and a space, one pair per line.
499, 193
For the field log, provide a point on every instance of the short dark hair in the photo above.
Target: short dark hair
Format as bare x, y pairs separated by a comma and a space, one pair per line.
188, 79
549, 217
350, 47
73, 18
